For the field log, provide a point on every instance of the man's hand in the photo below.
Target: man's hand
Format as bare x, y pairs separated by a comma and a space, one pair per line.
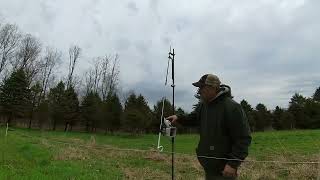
172, 118
229, 171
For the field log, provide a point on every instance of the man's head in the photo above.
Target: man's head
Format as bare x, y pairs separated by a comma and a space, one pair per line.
208, 86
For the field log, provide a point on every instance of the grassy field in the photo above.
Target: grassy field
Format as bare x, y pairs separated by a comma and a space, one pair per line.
34, 154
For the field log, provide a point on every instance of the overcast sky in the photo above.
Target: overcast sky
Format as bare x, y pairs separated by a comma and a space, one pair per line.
266, 50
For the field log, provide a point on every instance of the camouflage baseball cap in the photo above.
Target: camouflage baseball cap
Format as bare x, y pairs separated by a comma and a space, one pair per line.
208, 79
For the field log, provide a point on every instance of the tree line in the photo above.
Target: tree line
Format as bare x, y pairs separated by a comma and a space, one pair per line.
302, 113
33, 94
61, 108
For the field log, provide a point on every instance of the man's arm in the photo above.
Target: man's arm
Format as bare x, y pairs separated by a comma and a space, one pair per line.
239, 131
191, 119
188, 120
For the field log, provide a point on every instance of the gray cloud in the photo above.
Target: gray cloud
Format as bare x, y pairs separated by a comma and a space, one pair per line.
132, 6
265, 50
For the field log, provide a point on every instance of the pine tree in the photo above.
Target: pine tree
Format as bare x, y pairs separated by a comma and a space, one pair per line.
15, 96
145, 112
90, 110
180, 111
137, 114
311, 112
42, 113
117, 112
296, 106
71, 108
286, 120
56, 105
249, 112
35, 93
316, 95
276, 116
112, 113
130, 113
262, 117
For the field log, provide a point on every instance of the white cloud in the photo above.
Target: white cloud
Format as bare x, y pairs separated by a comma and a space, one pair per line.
261, 48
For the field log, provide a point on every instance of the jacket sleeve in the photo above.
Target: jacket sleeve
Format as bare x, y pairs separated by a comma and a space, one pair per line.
239, 131
191, 119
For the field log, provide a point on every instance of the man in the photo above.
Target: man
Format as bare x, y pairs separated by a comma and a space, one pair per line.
224, 129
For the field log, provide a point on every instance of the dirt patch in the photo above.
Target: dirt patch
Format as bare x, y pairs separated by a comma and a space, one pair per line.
276, 170
91, 142
72, 153
156, 156
45, 143
184, 164
144, 173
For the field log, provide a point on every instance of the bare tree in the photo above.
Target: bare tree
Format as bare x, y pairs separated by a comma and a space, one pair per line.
51, 58
103, 77
89, 84
104, 82
27, 56
114, 75
39, 89
93, 76
74, 54
110, 73
77, 83
9, 39
97, 71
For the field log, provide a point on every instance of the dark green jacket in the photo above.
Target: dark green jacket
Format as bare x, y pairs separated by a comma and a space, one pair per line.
224, 131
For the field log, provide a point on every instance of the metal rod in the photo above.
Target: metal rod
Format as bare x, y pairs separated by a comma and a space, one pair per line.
173, 111
172, 143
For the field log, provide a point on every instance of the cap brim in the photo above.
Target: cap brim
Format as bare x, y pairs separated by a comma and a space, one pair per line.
198, 84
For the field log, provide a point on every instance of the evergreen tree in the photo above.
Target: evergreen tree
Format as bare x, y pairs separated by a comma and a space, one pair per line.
42, 113
112, 113
316, 95
296, 108
276, 118
71, 108
117, 112
249, 112
35, 95
15, 96
130, 113
179, 111
90, 111
56, 104
286, 120
262, 117
145, 112
311, 114
137, 114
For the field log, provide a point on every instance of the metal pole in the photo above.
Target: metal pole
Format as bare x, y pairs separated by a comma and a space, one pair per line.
173, 111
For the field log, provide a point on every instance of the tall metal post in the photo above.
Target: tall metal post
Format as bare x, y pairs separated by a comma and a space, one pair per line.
171, 56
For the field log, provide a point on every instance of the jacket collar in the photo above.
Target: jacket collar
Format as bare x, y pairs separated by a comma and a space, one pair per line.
224, 90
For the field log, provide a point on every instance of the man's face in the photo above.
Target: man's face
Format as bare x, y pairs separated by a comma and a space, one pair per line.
204, 91
207, 93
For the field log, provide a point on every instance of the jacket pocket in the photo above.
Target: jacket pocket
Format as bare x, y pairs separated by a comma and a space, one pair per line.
211, 162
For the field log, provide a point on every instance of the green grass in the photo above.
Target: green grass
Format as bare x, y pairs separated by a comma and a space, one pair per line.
298, 143
34, 154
